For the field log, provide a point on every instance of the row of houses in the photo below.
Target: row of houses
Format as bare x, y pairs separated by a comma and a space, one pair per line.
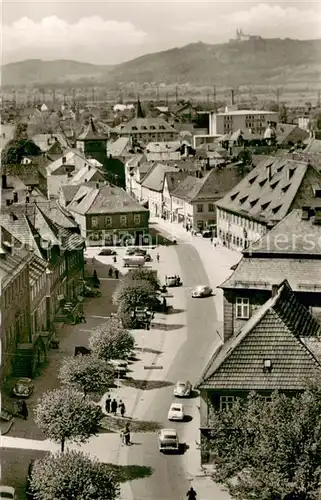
41, 269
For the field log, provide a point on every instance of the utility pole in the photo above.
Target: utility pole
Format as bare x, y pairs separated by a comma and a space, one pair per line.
318, 99
54, 97
208, 99
74, 98
176, 94
157, 93
166, 98
14, 98
65, 98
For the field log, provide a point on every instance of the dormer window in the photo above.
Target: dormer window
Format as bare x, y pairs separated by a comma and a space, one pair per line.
254, 202
261, 183
291, 172
285, 188
243, 200
279, 169
134, 127
265, 205
267, 365
152, 127
253, 179
233, 196
276, 209
273, 186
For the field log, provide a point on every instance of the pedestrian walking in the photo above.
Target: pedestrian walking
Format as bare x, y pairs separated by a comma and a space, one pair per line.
24, 410
157, 257
114, 406
122, 408
191, 494
116, 274
114, 259
127, 435
107, 404
110, 272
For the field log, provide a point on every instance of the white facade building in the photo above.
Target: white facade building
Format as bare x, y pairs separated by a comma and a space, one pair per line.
243, 119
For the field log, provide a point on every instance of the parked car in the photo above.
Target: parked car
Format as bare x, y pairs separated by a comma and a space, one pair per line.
7, 493
119, 366
171, 281
131, 250
202, 291
176, 412
140, 251
168, 440
147, 257
23, 388
107, 251
182, 389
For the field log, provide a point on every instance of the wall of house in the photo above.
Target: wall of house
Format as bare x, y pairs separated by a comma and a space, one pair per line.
231, 323
105, 227
38, 304
178, 210
15, 312
167, 204
155, 200
81, 221
204, 213
55, 182
94, 149
237, 231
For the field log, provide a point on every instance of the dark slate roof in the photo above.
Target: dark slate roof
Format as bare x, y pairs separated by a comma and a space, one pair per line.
286, 131
106, 199
188, 188
262, 273
173, 179
269, 199
274, 332
91, 133
37, 267
292, 236
313, 146
217, 182
154, 180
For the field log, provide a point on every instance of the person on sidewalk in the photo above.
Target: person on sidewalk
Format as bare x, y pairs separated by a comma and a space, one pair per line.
122, 408
107, 404
114, 406
110, 272
24, 410
127, 435
191, 494
116, 274
157, 257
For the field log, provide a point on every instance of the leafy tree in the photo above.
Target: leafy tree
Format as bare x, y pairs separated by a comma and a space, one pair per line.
111, 341
72, 475
141, 274
131, 294
272, 106
64, 415
86, 373
273, 449
16, 149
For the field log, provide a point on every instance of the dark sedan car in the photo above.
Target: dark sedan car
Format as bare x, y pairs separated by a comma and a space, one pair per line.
107, 251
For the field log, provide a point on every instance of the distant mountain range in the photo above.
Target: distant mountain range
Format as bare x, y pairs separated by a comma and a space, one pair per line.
263, 61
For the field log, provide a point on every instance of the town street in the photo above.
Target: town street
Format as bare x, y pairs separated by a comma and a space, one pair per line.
170, 479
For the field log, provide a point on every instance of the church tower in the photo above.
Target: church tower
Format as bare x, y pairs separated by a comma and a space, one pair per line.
92, 144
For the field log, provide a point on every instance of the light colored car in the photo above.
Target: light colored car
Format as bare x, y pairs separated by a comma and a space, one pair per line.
168, 440
23, 388
176, 412
7, 493
134, 260
202, 291
182, 389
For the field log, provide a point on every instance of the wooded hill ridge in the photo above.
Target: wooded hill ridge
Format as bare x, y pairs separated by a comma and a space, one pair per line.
263, 61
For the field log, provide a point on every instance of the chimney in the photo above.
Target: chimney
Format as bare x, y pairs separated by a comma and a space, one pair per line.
63, 159
27, 198
305, 215
4, 181
269, 172
275, 289
15, 197
232, 97
317, 218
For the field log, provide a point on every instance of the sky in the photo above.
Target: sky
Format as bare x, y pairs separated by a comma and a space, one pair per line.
111, 32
